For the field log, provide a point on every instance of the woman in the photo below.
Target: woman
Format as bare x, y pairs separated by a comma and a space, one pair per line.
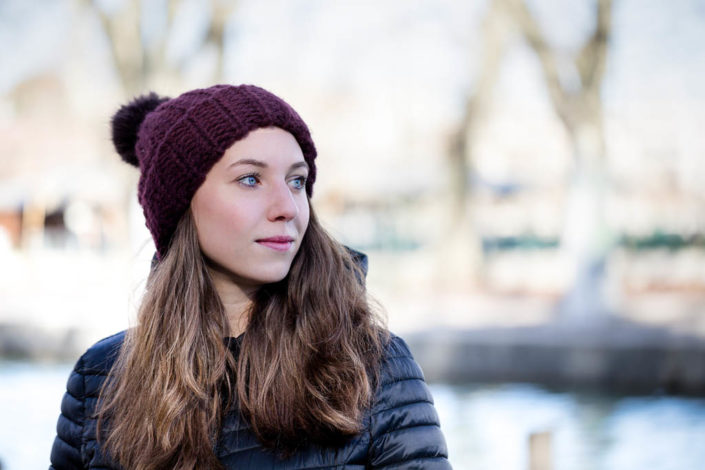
256, 345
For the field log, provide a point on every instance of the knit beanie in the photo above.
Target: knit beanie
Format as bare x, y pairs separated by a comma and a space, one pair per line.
175, 142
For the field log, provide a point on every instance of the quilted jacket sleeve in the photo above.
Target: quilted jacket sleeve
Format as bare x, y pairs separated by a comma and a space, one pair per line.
75, 445
66, 453
404, 426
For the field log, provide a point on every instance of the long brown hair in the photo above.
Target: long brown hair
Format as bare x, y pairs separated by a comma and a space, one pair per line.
306, 370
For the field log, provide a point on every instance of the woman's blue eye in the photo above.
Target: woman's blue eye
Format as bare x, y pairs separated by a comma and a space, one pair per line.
248, 180
299, 182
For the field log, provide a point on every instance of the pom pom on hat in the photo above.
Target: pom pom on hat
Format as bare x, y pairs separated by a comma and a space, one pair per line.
126, 124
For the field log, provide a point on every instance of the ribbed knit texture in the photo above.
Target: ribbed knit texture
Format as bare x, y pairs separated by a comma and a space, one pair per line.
181, 140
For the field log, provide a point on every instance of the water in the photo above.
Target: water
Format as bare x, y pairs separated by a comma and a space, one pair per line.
30, 399
486, 426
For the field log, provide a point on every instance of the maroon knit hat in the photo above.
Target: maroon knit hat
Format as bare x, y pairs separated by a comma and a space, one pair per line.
175, 142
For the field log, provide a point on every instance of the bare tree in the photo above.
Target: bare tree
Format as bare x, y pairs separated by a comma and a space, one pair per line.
461, 254
136, 61
579, 108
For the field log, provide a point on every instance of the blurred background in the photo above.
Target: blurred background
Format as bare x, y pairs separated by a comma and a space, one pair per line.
524, 175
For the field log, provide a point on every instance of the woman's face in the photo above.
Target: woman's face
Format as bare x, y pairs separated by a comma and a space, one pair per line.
252, 211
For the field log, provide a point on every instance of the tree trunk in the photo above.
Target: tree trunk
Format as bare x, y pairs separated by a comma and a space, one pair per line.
585, 241
460, 257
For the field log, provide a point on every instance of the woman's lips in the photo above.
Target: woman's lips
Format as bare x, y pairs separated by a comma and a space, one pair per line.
277, 243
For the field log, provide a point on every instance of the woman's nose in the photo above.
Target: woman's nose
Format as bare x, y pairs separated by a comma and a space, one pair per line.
282, 205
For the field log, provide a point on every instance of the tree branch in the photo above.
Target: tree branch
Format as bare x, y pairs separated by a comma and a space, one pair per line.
592, 59
126, 48
547, 58
220, 13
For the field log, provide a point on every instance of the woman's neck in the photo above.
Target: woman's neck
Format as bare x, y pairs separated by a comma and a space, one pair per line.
236, 299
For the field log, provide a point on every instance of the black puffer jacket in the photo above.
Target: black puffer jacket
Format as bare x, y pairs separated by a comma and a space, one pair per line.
401, 429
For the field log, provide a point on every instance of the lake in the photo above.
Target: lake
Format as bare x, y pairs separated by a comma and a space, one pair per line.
486, 426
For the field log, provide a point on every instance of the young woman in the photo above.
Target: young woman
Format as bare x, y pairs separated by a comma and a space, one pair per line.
256, 345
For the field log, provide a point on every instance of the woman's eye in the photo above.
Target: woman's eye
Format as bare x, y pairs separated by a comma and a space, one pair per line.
248, 180
299, 182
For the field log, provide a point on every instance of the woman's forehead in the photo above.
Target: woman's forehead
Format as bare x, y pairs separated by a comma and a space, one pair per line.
264, 147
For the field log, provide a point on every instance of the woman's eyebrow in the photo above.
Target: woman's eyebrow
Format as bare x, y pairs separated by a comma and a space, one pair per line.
248, 161
261, 164
300, 164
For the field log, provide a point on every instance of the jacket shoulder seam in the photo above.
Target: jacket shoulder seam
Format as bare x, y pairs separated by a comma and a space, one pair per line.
424, 425
414, 402
402, 379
